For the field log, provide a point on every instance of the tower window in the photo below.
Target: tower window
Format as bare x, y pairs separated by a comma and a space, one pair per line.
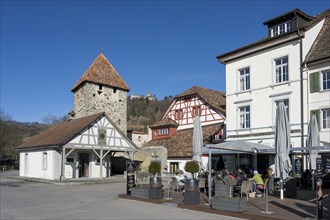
114, 90
100, 87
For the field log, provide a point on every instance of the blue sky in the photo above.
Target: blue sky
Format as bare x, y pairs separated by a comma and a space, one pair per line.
164, 47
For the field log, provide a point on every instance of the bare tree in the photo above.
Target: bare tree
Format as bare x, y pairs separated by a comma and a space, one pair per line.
51, 119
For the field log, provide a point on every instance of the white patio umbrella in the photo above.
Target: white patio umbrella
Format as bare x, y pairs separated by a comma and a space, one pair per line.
198, 142
313, 140
282, 143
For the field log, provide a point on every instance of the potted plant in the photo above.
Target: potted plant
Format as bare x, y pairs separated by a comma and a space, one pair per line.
192, 195
154, 172
155, 187
224, 184
223, 199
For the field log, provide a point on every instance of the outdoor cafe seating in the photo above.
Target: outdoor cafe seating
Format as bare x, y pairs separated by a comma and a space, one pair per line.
176, 185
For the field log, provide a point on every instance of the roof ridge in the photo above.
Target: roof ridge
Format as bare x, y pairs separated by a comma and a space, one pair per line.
101, 71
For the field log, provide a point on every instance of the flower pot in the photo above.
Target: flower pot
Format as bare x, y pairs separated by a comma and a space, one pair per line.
156, 182
229, 204
192, 185
222, 190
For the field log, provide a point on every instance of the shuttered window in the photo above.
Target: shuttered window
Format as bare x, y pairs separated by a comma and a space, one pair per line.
314, 82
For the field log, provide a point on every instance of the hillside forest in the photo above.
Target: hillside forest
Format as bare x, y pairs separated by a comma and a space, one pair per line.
140, 113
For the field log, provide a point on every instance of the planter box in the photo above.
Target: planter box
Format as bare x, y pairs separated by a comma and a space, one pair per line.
229, 204
291, 189
221, 189
154, 193
191, 198
140, 192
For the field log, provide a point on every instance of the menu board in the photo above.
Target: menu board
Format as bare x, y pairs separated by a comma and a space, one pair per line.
130, 176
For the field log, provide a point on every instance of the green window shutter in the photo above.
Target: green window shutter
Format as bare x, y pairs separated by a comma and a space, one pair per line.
314, 82
316, 112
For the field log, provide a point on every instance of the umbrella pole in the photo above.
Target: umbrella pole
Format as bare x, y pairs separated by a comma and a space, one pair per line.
209, 177
281, 181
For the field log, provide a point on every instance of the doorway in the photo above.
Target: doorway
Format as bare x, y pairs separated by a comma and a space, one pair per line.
83, 165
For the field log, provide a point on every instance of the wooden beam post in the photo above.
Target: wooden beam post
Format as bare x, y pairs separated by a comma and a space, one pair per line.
62, 177
101, 162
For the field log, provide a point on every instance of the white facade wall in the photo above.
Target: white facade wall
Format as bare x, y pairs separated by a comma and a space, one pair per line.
72, 168
320, 100
264, 92
31, 164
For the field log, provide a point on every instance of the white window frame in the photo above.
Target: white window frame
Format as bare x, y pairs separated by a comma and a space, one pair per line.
244, 79
327, 73
163, 131
279, 77
44, 160
325, 117
242, 115
281, 28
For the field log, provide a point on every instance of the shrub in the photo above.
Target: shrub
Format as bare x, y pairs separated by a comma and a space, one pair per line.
154, 167
192, 167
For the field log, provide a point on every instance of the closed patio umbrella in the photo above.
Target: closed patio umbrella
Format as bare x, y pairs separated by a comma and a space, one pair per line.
282, 143
313, 140
198, 142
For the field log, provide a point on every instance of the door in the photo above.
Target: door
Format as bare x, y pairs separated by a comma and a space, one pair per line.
83, 165
26, 164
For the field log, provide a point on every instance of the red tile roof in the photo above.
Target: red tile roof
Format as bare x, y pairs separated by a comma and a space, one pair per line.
321, 47
167, 121
60, 134
215, 99
102, 72
180, 144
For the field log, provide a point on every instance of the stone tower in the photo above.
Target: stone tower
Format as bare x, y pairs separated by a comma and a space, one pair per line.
101, 89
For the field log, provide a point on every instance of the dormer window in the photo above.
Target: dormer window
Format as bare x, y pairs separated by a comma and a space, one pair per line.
164, 131
281, 28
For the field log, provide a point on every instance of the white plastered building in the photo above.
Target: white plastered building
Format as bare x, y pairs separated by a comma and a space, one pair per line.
274, 69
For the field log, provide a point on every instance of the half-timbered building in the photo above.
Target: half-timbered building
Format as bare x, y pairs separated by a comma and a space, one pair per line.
82, 147
175, 129
88, 144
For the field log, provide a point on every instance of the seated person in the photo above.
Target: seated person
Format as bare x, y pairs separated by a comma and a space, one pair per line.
180, 177
258, 181
240, 176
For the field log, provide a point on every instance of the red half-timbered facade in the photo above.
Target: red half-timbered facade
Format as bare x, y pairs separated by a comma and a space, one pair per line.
175, 129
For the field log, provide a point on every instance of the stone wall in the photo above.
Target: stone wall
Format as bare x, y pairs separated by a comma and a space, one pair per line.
91, 98
147, 154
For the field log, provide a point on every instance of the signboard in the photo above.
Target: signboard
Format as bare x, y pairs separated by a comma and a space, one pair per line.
130, 176
318, 166
298, 166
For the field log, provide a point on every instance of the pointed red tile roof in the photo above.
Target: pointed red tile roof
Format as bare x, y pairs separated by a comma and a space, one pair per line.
102, 72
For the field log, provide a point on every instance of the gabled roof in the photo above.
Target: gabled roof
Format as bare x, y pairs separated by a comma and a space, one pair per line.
60, 134
180, 144
287, 15
270, 41
215, 99
321, 47
165, 122
102, 72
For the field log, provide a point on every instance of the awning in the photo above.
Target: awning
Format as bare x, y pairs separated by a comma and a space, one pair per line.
239, 146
